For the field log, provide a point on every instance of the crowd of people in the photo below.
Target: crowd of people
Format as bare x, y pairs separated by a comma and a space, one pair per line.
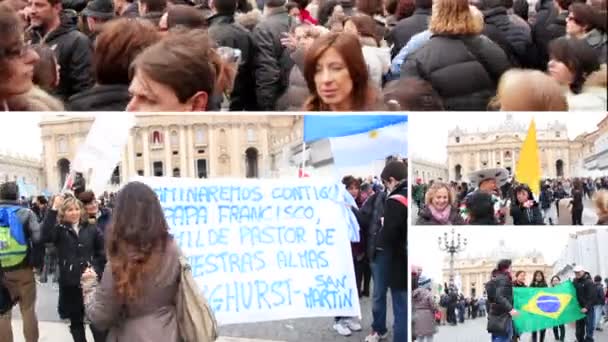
124, 241
319, 55
495, 199
432, 309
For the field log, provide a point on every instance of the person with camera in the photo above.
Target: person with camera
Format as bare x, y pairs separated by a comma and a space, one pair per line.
79, 246
19, 232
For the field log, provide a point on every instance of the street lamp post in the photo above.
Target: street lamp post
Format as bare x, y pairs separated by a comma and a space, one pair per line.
452, 246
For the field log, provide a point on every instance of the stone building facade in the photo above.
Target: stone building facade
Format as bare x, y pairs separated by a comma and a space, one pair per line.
500, 147
474, 272
195, 146
16, 168
428, 170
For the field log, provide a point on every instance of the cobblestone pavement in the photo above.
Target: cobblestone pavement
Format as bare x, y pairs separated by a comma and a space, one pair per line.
293, 330
475, 331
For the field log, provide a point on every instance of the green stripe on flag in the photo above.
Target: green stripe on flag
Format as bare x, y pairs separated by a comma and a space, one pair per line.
545, 307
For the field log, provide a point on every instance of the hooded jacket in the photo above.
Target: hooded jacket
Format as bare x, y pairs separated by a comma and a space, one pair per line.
74, 55
585, 291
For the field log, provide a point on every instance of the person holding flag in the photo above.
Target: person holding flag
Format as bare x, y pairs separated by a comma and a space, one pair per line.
500, 299
585, 294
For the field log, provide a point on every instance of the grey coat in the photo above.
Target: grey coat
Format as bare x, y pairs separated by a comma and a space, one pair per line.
424, 312
149, 319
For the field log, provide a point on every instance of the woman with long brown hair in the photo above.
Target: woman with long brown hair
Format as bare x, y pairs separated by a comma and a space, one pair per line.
136, 297
337, 76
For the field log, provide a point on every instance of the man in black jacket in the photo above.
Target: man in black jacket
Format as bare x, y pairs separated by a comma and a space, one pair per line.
58, 29
226, 32
272, 62
408, 27
389, 266
585, 293
500, 303
18, 269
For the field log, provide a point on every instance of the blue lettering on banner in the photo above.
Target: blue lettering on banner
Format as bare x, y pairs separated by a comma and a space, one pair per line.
256, 294
305, 193
186, 215
308, 259
255, 235
200, 238
209, 194
325, 237
226, 262
244, 213
330, 293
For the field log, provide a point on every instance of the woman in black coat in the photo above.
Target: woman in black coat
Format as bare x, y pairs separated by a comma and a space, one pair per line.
525, 211
79, 245
462, 65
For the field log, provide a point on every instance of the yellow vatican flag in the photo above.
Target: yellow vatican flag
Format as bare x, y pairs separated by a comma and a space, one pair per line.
528, 166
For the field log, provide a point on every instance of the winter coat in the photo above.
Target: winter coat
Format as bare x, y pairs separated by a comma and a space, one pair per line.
226, 32
408, 27
33, 234
151, 318
464, 70
598, 40
75, 250
370, 215
550, 24
425, 217
378, 60
74, 55
132, 11
424, 312
297, 93
585, 291
272, 63
593, 95
503, 303
546, 199
526, 216
517, 39
101, 98
393, 238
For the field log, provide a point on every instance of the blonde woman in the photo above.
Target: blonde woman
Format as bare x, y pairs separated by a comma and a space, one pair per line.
79, 246
439, 207
601, 206
529, 90
462, 65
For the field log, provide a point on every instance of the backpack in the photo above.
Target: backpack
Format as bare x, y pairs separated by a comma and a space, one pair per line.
13, 241
195, 319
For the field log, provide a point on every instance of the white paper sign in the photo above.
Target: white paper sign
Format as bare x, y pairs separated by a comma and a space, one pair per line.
102, 149
264, 250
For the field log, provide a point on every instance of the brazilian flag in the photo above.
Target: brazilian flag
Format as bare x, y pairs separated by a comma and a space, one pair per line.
545, 307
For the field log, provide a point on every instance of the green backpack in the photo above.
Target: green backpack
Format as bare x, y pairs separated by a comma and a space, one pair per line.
13, 242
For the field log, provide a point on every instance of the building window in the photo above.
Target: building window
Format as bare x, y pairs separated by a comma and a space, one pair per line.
250, 134
200, 136
176, 172
457, 140
62, 145
140, 172
251, 155
157, 138
115, 179
174, 138
558, 134
201, 168
158, 168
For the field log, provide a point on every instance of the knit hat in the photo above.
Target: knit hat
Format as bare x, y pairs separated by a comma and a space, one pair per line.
396, 169
99, 9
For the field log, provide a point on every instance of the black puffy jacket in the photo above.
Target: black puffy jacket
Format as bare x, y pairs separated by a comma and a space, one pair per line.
503, 302
101, 98
585, 291
75, 251
226, 32
74, 55
408, 27
518, 39
272, 63
526, 216
550, 24
464, 70
371, 215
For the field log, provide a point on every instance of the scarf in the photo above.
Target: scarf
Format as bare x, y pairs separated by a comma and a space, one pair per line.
442, 216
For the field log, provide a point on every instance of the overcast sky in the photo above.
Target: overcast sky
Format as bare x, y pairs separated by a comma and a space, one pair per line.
428, 134
424, 250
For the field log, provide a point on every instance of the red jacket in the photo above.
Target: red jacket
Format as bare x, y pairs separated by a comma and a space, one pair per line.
306, 18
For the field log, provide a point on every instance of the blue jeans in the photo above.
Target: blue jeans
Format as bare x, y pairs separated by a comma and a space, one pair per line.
380, 273
585, 326
598, 315
508, 337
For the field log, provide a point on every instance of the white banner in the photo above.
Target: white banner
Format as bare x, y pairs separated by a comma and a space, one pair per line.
102, 149
264, 250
